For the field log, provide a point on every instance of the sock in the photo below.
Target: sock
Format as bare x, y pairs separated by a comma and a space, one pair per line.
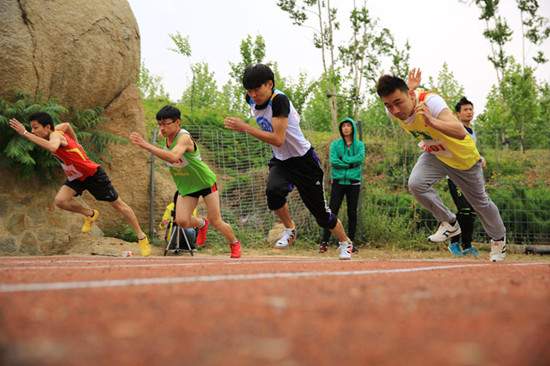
234, 242
93, 214
501, 239
203, 224
452, 223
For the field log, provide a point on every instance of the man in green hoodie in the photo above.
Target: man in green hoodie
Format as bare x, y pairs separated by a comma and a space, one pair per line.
346, 158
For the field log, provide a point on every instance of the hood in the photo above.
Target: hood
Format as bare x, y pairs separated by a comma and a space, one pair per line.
354, 134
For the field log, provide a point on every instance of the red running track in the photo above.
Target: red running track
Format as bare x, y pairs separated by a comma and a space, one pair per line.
272, 311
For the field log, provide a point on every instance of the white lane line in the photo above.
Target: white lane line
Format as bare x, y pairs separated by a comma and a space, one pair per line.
214, 278
115, 264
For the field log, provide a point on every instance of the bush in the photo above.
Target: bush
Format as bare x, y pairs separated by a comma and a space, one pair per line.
31, 160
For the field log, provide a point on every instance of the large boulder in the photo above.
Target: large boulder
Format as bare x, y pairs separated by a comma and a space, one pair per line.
82, 52
85, 54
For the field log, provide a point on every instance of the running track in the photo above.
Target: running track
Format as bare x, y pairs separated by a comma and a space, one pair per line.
272, 311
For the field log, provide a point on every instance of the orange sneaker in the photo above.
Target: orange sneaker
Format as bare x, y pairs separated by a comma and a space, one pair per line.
201, 236
145, 247
89, 222
235, 249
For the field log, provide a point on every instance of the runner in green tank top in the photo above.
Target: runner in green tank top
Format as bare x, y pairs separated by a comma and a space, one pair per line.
193, 178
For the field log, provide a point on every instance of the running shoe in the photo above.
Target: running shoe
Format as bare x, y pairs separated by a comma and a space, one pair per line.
89, 222
324, 247
345, 250
286, 238
354, 250
235, 249
145, 247
201, 236
444, 232
498, 250
470, 251
455, 248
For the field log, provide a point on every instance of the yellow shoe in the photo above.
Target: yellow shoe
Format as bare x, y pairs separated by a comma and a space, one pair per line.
89, 221
145, 247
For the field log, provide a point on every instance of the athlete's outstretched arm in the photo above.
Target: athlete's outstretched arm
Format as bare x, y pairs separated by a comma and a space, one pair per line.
51, 145
275, 138
184, 144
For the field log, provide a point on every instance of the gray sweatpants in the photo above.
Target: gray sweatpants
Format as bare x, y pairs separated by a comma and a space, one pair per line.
429, 169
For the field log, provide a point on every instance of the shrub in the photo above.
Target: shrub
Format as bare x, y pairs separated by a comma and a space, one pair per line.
30, 159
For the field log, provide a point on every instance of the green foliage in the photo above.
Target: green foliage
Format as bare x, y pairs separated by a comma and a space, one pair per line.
202, 91
517, 110
30, 159
317, 111
447, 86
150, 86
121, 230
183, 47
252, 52
298, 91
524, 211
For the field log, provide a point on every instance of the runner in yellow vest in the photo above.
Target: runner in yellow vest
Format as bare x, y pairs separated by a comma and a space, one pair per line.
448, 150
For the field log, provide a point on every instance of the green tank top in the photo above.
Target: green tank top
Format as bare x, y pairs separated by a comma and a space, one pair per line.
189, 173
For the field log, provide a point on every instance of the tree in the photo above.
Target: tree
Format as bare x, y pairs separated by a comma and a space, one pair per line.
519, 88
515, 80
317, 111
526, 114
183, 47
447, 86
150, 86
252, 52
363, 56
202, 92
323, 39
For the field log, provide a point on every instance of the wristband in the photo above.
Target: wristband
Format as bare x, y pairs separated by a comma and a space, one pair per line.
24, 133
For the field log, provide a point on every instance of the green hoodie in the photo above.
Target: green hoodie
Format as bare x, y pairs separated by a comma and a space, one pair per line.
346, 161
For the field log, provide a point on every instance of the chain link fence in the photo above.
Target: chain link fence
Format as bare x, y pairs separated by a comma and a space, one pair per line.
517, 180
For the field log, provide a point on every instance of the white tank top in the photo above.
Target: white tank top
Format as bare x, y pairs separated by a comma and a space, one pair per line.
295, 144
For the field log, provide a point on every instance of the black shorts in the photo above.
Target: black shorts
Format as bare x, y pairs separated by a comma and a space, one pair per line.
98, 185
204, 192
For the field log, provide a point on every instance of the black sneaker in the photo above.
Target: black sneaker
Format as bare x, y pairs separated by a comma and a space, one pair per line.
324, 247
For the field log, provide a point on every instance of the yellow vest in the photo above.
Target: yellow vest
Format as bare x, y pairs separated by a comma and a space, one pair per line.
458, 154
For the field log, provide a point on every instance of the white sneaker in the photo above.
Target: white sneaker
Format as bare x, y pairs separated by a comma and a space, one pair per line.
286, 238
345, 250
444, 232
498, 250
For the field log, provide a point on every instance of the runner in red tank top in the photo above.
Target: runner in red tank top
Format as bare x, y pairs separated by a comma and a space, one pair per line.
82, 173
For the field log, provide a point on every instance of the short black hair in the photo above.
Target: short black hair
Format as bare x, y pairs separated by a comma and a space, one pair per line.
43, 118
257, 75
461, 102
387, 84
168, 111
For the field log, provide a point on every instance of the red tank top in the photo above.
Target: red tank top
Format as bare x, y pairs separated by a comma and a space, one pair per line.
74, 161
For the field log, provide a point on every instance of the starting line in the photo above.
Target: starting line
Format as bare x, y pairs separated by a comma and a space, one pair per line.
4, 288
